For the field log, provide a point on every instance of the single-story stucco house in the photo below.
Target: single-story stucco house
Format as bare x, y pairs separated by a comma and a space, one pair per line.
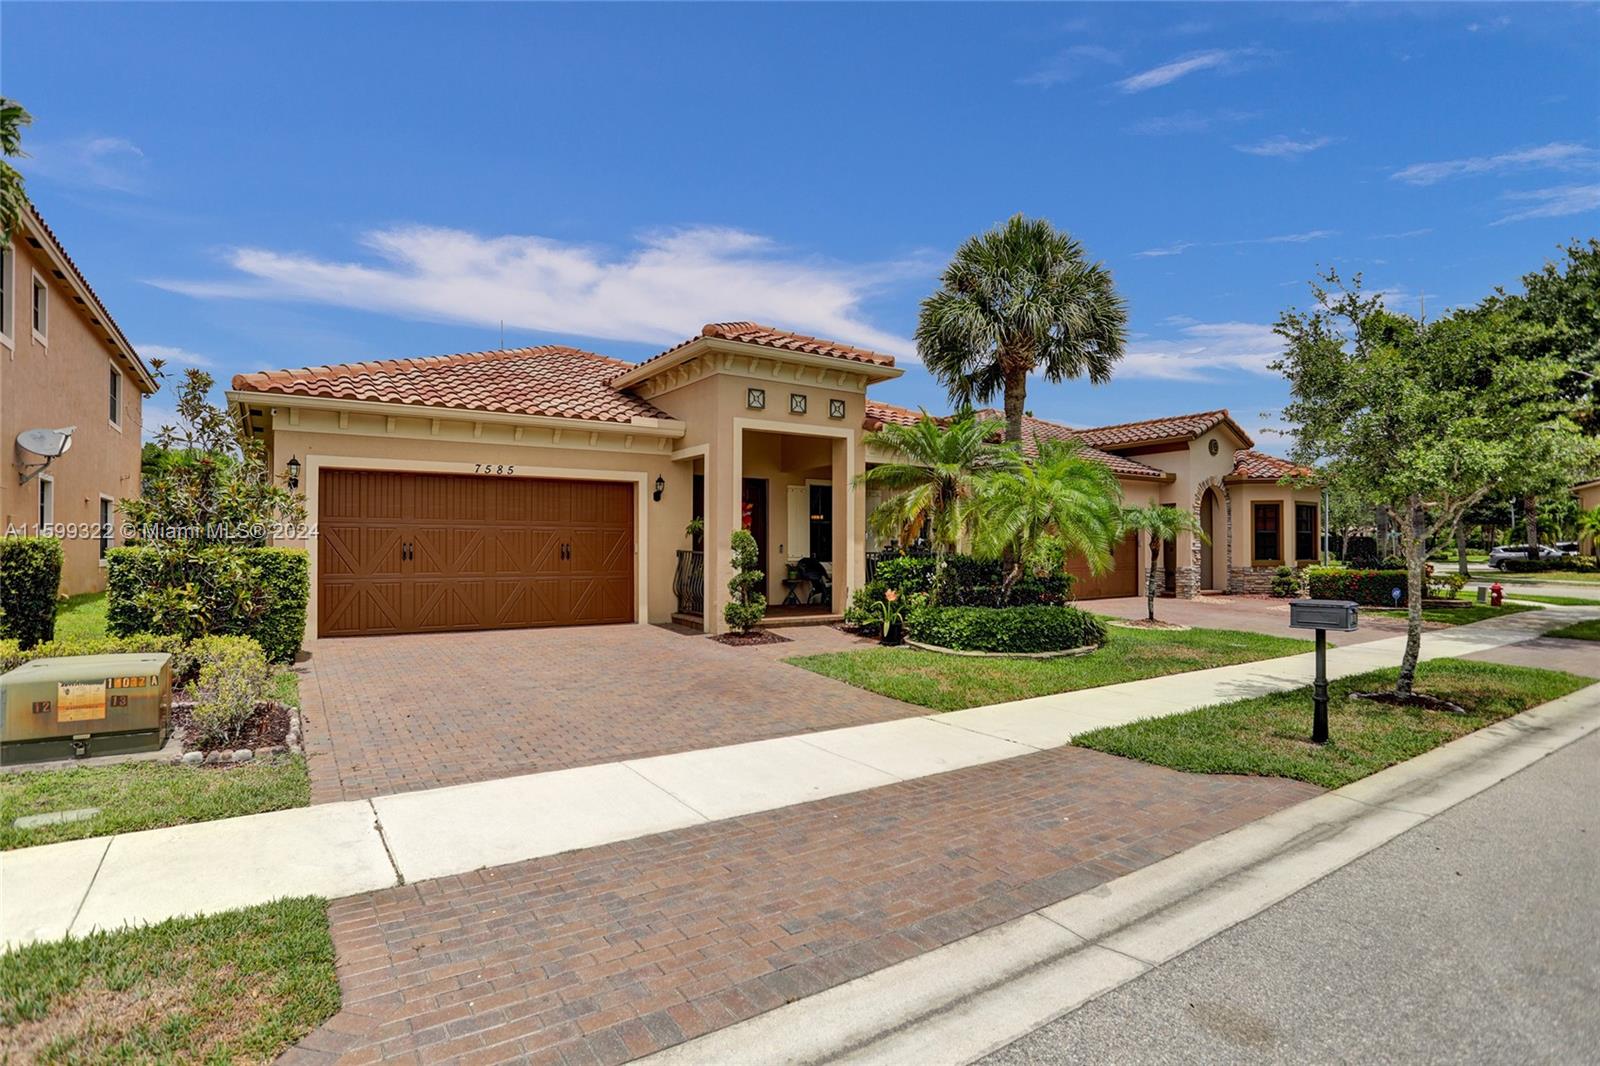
553, 486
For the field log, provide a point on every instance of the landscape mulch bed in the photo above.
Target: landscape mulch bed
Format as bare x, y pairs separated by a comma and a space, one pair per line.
755, 636
267, 728
1145, 623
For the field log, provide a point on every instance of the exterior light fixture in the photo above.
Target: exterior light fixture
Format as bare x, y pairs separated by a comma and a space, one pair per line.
661, 486
294, 472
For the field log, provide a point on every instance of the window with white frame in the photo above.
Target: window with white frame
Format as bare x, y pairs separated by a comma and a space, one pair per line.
108, 510
47, 502
41, 308
115, 396
7, 291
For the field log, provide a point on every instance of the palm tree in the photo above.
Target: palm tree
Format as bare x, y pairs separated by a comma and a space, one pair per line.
1160, 524
939, 477
1020, 298
1061, 494
1589, 528
13, 198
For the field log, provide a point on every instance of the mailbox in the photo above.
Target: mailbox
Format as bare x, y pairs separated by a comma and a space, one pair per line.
1337, 615
79, 705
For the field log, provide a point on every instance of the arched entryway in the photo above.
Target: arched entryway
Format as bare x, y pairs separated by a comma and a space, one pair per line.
1208, 526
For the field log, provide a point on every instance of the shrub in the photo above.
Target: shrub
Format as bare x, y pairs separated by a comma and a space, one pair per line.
147, 592
12, 655
232, 680
963, 581
1004, 629
864, 604
1285, 582
1531, 566
1361, 553
746, 605
1446, 586
1371, 588
30, 578
905, 573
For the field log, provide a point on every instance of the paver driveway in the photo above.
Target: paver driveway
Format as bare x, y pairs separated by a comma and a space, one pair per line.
395, 714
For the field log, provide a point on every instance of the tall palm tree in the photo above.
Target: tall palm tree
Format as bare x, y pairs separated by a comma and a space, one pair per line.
1020, 298
938, 478
1061, 494
13, 197
1160, 524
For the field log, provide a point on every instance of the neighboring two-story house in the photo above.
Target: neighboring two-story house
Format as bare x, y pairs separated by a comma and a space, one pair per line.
552, 486
64, 362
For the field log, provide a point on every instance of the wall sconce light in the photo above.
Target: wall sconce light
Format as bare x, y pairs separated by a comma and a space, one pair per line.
661, 486
294, 472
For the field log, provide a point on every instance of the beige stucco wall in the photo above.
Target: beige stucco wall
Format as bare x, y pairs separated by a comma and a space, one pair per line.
64, 381
460, 447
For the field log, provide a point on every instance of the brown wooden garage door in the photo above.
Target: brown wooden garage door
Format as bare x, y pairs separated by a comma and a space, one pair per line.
421, 553
1121, 580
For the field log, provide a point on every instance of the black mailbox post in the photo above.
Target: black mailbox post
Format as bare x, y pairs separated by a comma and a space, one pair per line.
1322, 615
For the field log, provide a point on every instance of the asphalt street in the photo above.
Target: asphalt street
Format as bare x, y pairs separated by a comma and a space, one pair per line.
1474, 937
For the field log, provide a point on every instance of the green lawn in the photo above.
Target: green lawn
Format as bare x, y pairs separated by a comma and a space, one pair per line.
81, 616
1584, 577
1578, 631
1454, 616
1268, 735
1558, 601
235, 987
951, 682
148, 795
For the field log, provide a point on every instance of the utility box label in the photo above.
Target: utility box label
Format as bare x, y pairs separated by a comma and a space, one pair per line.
85, 702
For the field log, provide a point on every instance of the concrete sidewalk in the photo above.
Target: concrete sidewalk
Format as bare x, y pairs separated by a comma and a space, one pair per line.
341, 849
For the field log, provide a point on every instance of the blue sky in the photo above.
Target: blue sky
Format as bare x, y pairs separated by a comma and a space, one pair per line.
252, 185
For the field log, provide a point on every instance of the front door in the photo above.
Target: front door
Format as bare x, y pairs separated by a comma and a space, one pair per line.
1207, 504
753, 497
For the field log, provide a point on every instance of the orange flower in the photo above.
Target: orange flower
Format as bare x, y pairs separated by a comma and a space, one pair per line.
891, 595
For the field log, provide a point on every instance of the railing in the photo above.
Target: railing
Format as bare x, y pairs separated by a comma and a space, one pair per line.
874, 558
689, 582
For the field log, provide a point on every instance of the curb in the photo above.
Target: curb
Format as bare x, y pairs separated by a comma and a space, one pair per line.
962, 1001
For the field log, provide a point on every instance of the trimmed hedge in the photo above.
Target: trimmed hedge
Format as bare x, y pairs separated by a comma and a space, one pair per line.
967, 582
1005, 629
187, 658
30, 578
1370, 588
906, 573
1571, 564
282, 574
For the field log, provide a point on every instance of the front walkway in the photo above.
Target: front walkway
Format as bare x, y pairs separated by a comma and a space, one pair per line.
398, 714
342, 849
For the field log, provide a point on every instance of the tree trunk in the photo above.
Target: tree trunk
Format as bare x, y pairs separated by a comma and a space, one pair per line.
1016, 399
1414, 540
1150, 579
1530, 514
1461, 549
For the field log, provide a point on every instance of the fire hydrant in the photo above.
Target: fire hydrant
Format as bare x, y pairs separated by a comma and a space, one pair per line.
1495, 592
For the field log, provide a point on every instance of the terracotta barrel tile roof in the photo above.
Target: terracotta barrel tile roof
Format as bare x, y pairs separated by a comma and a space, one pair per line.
552, 380
1175, 427
779, 339
1249, 465
880, 413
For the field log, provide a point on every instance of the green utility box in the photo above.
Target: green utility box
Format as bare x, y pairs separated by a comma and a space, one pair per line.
81, 705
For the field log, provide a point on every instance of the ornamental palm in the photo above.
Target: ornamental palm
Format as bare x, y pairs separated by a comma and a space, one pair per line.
1061, 494
1589, 528
13, 197
1160, 524
1018, 299
938, 477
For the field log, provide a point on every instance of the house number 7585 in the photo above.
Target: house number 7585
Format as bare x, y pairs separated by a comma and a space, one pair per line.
492, 468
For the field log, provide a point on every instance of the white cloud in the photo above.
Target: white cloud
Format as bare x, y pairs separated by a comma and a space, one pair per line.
659, 291
1555, 202
1176, 248
1203, 350
1282, 147
1188, 121
1401, 236
1292, 238
1167, 73
169, 354
1560, 155
1069, 63
103, 162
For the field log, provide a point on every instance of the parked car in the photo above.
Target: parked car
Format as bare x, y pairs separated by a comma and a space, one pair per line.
1501, 552
1567, 547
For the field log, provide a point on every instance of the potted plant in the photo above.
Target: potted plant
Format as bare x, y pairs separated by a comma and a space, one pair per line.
891, 619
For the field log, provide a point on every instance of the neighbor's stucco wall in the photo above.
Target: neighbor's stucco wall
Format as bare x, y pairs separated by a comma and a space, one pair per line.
64, 380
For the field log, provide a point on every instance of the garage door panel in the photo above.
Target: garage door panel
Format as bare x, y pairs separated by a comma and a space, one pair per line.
1121, 580
485, 552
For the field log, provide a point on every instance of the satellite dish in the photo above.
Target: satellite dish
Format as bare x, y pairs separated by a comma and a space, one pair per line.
48, 444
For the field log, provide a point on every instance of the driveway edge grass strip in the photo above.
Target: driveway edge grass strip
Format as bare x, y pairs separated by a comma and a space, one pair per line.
1456, 616
1268, 735
241, 986
952, 683
1589, 630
